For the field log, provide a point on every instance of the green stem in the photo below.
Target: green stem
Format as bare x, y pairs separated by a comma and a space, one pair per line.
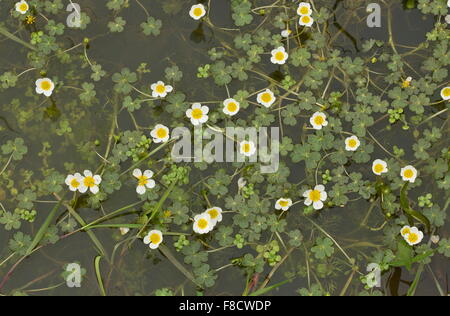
11, 36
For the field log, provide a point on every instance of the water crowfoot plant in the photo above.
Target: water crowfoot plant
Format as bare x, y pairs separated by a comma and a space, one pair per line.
359, 121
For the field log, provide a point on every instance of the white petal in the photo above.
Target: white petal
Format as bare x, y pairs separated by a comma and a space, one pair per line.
82, 188
151, 184
87, 173
97, 179
148, 174
140, 189
318, 205
94, 189
204, 119
137, 173
69, 179
319, 188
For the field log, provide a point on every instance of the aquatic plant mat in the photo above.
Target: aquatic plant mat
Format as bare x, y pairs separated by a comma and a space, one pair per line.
224, 147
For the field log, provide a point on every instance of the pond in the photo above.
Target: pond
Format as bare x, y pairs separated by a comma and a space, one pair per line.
357, 134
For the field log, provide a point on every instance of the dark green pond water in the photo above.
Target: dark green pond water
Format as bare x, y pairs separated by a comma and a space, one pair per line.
184, 43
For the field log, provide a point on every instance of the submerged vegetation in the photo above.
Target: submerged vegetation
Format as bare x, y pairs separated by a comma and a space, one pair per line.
87, 174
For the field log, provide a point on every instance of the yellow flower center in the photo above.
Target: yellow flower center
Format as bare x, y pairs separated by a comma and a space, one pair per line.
74, 183
266, 97
23, 7
408, 173
406, 83
446, 92
319, 120
198, 11
306, 19
203, 223
155, 238
413, 238
304, 10
89, 182
314, 195
46, 85
406, 231
30, 19
161, 133
214, 213
232, 107
284, 203
160, 88
279, 56
352, 143
143, 180
197, 114
246, 148
379, 168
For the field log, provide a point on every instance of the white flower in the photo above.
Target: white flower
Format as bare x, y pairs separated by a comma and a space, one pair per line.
160, 134
304, 9
242, 183
435, 239
371, 280
447, 18
154, 238
203, 223
266, 98
279, 56
379, 167
145, 180
160, 90
124, 230
445, 93
231, 107
283, 204
216, 214
306, 20
414, 237
409, 173
197, 11
90, 182
22, 7
247, 149
448, 3
198, 114
74, 181
316, 197
45, 86
352, 143
319, 120
286, 33
407, 82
